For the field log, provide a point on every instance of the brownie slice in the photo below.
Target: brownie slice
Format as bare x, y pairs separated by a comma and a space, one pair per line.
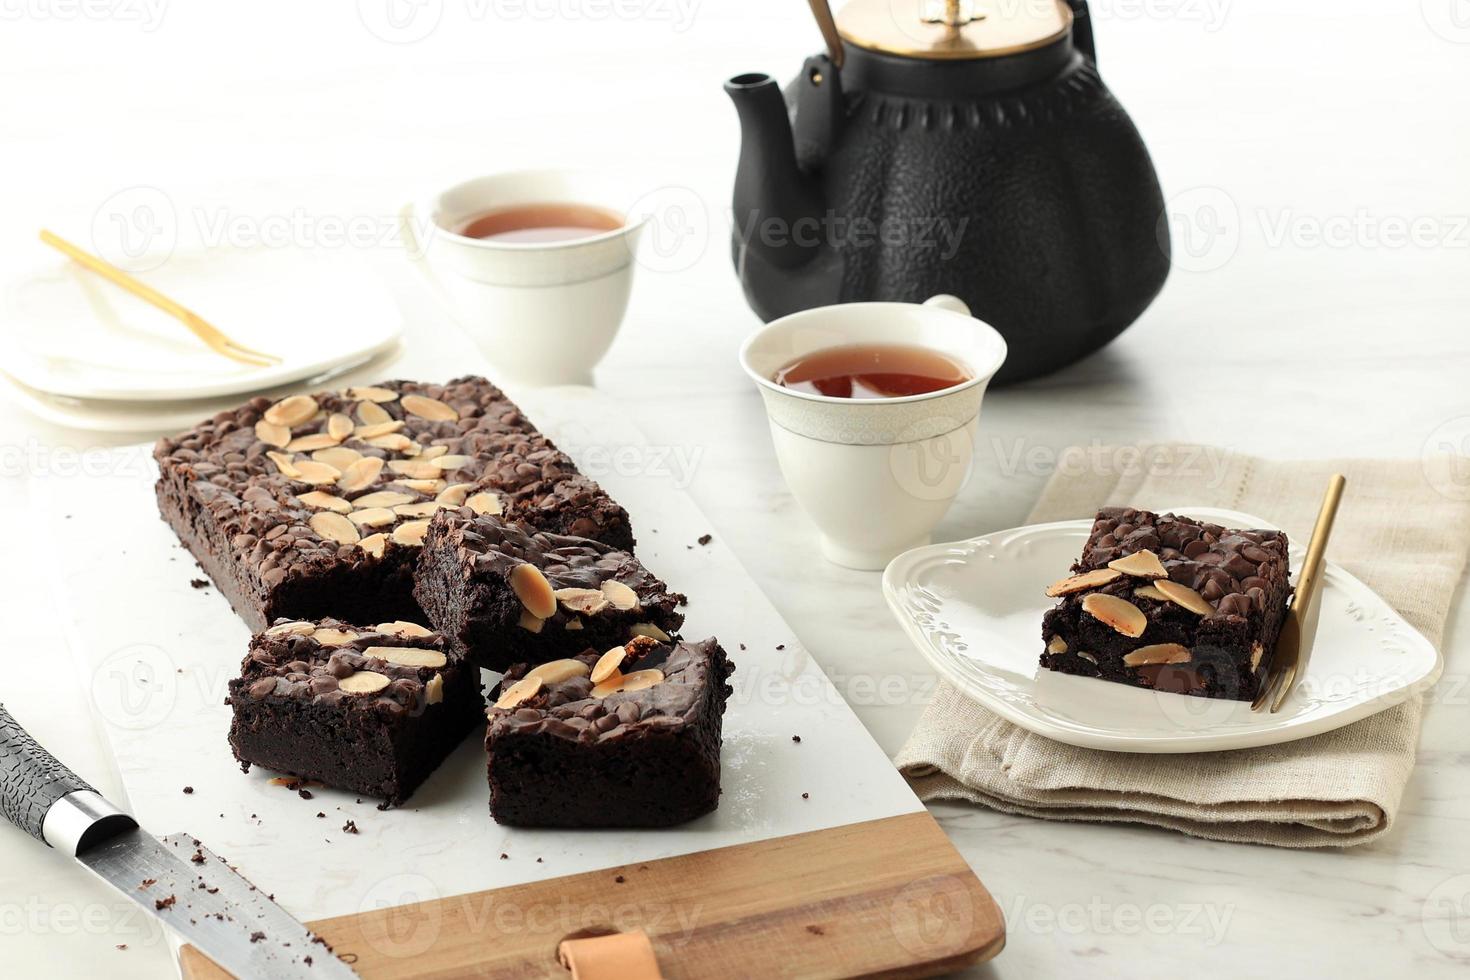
1171, 604
505, 593
371, 710
639, 749
315, 505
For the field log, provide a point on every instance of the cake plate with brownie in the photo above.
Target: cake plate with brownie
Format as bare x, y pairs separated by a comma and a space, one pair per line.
1148, 630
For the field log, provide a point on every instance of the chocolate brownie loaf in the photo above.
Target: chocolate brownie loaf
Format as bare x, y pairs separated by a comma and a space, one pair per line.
371, 710
504, 592
1170, 604
315, 505
638, 747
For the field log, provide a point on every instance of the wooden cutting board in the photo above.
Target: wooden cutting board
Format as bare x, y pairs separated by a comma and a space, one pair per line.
885, 898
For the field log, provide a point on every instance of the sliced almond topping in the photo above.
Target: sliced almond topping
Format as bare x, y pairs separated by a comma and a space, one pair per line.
360, 475
424, 509
334, 527
572, 623
316, 440
394, 442
402, 627
291, 411
434, 690
413, 469
317, 474
1256, 651
1057, 645
376, 429
535, 593
372, 517
371, 413
558, 671
484, 502
1183, 595
607, 665
374, 544
521, 690
298, 627
1150, 592
1087, 656
1087, 580
383, 498
1157, 653
620, 595
588, 602
317, 500
451, 463
272, 434
408, 656
429, 408
329, 636
410, 533
433, 452
339, 457
1120, 614
454, 494
371, 394
636, 681
649, 630
422, 486
363, 682
284, 463
340, 425
1140, 564
530, 623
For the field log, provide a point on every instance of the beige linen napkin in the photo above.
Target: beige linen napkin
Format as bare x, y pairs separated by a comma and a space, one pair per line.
1395, 531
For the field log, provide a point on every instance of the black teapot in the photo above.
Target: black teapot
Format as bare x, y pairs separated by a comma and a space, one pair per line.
961, 147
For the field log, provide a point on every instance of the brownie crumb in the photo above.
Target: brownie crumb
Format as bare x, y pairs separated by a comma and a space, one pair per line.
197, 857
165, 903
147, 883
504, 856
306, 960
706, 538
620, 879
796, 739
780, 646
816, 930
806, 796
199, 583
350, 827
256, 937
122, 945
188, 791
320, 815
538, 861
742, 646
305, 794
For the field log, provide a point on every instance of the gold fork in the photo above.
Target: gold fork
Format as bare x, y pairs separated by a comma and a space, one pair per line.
1294, 643
205, 331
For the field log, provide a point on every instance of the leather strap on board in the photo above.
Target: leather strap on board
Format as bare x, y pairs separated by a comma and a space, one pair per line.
620, 956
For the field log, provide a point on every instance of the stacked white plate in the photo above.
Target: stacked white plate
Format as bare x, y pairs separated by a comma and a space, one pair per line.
83, 353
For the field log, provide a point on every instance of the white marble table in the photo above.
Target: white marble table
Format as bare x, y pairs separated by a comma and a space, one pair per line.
1309, 328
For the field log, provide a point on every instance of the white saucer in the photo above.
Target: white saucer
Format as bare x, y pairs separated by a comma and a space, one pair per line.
67, 331
973, 608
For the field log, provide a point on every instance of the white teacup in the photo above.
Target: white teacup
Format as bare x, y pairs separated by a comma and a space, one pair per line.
544, 313
875, 475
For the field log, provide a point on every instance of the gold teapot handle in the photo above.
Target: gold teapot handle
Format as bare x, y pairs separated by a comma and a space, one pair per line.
822, 10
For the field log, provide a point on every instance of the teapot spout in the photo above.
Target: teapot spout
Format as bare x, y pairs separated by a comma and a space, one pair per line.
777, 205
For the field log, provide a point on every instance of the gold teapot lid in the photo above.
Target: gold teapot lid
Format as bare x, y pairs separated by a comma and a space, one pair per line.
951, 29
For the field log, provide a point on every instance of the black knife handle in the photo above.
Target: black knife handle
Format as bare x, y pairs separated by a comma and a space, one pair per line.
31, 779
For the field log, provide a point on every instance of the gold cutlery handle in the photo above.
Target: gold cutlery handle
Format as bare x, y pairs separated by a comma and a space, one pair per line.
1310, 577
115, 275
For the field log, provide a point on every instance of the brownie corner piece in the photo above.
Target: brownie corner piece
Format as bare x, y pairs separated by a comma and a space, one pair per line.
1170, 604
641, 748
371, 710
314, 505
504, 592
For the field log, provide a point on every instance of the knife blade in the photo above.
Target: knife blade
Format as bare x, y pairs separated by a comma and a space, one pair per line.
178, 880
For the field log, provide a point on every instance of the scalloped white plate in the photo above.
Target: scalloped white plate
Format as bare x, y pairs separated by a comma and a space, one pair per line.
973, 608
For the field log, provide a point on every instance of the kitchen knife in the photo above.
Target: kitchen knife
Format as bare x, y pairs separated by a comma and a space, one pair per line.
188, 888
